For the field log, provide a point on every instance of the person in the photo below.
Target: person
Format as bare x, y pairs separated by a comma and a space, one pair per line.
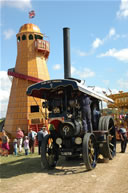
26, 145
15, 146
5, 144
126, 116
123, 136
85, 103
40, 135
96, 116
19, 136
32, 138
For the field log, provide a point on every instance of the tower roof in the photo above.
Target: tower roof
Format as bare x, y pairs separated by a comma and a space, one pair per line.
29, 27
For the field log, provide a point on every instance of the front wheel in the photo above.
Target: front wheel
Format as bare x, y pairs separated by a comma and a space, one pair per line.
49, 154
89, 151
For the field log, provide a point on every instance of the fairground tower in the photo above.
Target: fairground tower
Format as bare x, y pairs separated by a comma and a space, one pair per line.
30, 68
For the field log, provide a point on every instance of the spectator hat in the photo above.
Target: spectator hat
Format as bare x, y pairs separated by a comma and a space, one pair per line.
43, 127
15, 140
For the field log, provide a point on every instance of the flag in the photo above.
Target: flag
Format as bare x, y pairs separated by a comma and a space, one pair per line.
32, 14
110, 90
104, 92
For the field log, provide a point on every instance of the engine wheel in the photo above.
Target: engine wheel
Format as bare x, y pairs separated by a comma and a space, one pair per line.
101, 123
109, 148
89, 151
49, 154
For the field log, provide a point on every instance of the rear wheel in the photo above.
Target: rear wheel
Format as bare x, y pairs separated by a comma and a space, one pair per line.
49, 154
101, 123
109, 147
89, 151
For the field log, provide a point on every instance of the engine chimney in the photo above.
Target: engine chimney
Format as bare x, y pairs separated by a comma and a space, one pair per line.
67, 65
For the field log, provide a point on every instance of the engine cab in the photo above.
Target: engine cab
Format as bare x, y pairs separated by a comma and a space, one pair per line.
62, 100
62, 104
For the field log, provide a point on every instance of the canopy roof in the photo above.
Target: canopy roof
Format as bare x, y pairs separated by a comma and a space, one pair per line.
46, 88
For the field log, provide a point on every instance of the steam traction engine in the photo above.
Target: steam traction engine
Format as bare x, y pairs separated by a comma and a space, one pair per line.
66, 136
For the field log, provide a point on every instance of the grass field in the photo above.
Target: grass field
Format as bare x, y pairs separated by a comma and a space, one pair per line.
12, 165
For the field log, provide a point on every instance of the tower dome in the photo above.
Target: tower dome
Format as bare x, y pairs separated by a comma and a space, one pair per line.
29, 27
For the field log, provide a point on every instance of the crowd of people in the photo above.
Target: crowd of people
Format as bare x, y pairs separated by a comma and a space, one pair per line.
21, 141
28, 142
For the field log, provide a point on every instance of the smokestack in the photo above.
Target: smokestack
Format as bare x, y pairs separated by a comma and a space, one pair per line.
67, 65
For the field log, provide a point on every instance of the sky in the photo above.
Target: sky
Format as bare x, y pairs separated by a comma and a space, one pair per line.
98, 40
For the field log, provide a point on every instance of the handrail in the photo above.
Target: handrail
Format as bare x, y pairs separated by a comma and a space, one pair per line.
22, 76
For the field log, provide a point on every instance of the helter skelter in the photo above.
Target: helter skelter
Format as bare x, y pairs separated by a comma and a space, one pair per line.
31, 67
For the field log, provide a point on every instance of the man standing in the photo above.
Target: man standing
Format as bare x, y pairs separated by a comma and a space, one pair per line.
86, 112
40, 135
19, 136
32, 139
123, 136
96, 116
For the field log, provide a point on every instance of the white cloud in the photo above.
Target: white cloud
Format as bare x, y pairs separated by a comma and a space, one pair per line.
8, 33
123, 11
112, 32
84, 73
20, 4
56, 66
123, 83
118, 54
5, 85
73, 70
98, 42
117, 36
83, 53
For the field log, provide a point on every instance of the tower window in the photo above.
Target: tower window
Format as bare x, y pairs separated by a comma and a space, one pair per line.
34, 108
24, 37
18, 39
38, 37
30, 37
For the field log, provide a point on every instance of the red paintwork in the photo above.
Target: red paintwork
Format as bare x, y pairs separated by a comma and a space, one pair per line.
22, 76
43, 46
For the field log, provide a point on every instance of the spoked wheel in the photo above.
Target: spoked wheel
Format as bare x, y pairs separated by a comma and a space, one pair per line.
109, 148
89, 151
49, 154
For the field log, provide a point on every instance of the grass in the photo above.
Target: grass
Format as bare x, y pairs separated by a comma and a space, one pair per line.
12, 165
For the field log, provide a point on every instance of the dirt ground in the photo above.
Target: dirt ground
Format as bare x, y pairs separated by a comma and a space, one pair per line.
72, 176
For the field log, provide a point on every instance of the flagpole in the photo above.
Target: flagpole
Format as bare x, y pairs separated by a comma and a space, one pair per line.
28, 17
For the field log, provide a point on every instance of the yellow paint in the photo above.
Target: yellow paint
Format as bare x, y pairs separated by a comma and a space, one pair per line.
29, 62
120, 100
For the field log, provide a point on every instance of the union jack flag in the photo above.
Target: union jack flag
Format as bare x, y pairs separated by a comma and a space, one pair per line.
32, 14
